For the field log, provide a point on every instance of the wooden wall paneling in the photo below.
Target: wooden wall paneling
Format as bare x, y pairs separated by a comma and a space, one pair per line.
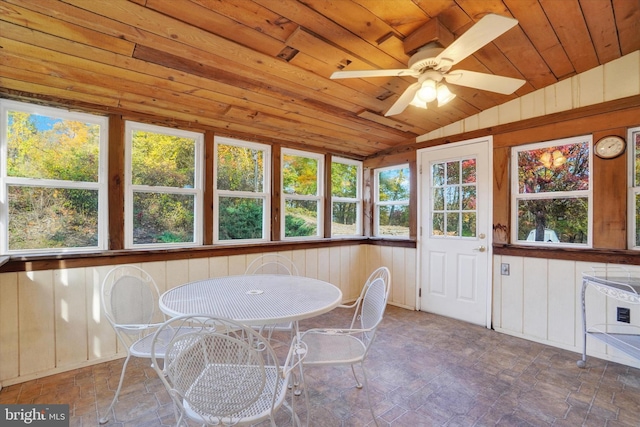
70, 318
562, 302
535, 297
511, 305
219, 266
157, 271
36, 326
324, 264
386, 256
501, 195
335, 268
398, 260
299, 258
610, 197
198, 269
312, 263
102, 342
237, 264
177, 272
9, 330
410, 277
496, 293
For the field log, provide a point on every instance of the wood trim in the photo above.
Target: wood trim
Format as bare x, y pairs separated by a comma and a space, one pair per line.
328, 212
615, 108
44, 262
413, 199
116, 182
276, 185
609, 256
209, 188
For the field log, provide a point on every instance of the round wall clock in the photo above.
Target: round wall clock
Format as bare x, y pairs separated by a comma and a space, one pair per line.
609, 147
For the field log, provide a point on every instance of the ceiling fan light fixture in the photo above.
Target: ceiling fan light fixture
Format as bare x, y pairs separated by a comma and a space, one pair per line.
444, 95
427, 91
416, 102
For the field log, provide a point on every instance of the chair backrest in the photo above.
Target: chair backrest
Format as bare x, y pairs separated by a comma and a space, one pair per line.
372, 310
379, 273
272, 263
130, 298
217, 368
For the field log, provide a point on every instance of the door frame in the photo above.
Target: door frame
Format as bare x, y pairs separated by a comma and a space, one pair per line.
489, 225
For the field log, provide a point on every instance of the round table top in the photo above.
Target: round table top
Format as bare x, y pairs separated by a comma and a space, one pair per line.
253, 299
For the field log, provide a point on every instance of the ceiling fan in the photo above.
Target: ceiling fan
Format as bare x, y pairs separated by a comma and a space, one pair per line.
432, 64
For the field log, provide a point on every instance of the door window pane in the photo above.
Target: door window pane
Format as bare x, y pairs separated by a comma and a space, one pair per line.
454, 198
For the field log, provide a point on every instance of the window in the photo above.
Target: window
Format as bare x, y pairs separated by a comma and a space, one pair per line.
634, 184
302, 174
551, 193
391, 214
242, 196
453, 205
346, 198
163, 201
53, 193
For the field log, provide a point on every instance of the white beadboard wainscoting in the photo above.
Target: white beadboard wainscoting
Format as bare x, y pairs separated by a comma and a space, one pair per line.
51, 321
540, 300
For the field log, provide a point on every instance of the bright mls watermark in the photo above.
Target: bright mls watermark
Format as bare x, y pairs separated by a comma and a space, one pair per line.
34, 415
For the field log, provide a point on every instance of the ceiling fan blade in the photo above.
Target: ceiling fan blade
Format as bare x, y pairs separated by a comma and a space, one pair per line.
373, 73
489, 28
404, 100
490, 82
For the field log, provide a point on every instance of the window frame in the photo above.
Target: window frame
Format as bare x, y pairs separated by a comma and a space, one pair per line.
130, 188
517, 196
265, 194
634, 188
377, 203
101, 186
318, 197
357, 200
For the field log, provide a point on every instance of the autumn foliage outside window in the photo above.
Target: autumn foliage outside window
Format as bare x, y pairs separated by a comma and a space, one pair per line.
53, 183
391, 215
164, 186
302, 174
242, 171
346, 197
551, 192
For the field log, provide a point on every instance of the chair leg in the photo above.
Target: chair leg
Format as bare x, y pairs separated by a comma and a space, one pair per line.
358, 384
366, 389
105, 418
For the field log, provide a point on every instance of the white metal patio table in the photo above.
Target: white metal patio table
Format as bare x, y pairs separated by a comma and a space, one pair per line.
253, 299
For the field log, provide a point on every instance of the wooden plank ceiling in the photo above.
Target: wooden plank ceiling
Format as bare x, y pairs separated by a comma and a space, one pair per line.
259, 69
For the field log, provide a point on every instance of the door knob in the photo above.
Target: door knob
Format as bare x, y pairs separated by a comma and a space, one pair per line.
480, 249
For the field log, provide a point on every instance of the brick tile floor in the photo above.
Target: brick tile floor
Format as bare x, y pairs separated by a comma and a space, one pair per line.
424, 370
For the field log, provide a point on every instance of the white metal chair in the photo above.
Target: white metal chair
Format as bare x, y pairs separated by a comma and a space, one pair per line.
130, 303
273, 263
349, 346
221, 372
381, 272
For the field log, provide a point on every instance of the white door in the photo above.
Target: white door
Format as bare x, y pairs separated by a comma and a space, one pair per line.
455, 230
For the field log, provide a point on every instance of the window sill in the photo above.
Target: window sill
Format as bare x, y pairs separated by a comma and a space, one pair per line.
41, 261
609, 256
